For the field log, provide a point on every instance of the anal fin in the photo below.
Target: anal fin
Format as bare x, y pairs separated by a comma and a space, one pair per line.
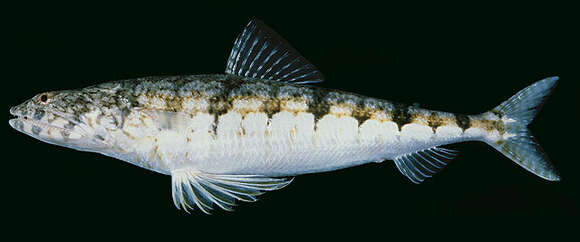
422, 164
192, 189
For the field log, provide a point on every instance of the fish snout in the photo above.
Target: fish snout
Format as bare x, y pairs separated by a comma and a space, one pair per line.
13, 111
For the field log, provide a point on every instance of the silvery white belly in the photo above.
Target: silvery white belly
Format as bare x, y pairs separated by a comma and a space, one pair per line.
288, 144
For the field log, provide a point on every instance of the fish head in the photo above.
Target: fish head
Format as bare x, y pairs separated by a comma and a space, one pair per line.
59, 118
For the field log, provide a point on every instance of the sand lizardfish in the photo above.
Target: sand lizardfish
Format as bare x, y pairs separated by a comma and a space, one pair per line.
229, 137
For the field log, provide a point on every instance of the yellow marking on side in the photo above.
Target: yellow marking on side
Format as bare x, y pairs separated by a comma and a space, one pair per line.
245, 105
194, 104
342, 109
381, 116
128, 135
294, 105
155, 152
434, 119
353, 110
293, 131
488, 125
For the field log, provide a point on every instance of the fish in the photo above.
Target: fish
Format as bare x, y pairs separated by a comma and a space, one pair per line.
228, 138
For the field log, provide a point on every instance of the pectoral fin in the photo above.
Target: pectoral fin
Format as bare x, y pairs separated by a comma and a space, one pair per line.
192, 189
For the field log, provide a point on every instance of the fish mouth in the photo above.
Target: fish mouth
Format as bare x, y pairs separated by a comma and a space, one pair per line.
54, 132
27, 124
13, 111
16, 115
16, 121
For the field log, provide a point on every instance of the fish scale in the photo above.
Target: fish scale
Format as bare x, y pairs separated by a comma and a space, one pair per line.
231, 137
327, 134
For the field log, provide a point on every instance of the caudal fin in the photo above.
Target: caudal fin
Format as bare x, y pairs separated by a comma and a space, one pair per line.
518, 144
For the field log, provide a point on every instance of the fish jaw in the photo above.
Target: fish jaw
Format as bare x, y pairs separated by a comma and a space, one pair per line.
44, 125
42, 129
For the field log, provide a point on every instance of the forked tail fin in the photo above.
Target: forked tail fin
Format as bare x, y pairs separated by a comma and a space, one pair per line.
518, 144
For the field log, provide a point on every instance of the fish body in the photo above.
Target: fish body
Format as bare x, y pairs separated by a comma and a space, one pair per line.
170, 123
229, 137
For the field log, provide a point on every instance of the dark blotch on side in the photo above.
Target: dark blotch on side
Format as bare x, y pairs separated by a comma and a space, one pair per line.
272, 105
499, 126
463, 121
222, 102
401, 115
361, 114
491, 125
122, 116
173, 104
497, 113
434, 121
219, 105
319, 105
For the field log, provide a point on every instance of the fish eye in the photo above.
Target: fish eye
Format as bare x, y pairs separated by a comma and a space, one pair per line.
43, 98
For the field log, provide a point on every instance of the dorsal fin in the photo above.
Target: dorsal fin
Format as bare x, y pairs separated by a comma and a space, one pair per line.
192, 189
259, 52
424, 163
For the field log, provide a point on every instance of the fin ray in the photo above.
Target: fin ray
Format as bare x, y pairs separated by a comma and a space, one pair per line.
516, 113
196, 189
424, 166
259, 52
430, 160
418, 167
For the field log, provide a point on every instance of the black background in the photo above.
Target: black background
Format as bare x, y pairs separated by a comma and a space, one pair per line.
456, 58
